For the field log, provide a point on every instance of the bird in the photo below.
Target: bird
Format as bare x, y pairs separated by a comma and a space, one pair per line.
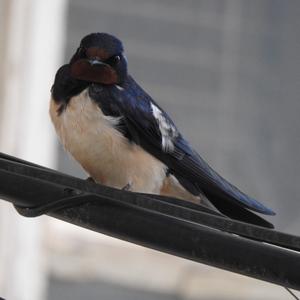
123, 139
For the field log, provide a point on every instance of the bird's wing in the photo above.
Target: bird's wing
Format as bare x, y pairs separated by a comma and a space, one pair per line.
150, 127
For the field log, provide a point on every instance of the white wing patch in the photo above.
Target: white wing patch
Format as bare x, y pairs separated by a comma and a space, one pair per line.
119, 88
167, 130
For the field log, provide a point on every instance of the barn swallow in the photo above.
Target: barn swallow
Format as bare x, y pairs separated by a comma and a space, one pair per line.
124, 139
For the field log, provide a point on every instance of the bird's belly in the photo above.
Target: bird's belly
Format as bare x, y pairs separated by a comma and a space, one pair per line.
102, 150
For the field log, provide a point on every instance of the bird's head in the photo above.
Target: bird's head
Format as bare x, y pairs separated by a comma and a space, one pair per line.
99, 58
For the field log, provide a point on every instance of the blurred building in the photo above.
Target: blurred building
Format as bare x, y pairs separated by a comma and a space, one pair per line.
227, 71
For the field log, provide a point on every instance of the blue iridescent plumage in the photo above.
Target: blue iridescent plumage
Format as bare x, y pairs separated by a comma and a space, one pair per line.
133, 104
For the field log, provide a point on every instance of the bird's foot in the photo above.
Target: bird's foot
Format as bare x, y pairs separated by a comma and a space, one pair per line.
90, 179
127, 187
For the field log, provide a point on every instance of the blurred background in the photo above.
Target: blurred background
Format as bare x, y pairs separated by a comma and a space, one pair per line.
227, 71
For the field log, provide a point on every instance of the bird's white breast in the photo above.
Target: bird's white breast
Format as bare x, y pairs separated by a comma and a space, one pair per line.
102, 150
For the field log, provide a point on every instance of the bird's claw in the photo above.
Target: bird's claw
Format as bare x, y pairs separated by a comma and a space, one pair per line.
127, 187
90, 179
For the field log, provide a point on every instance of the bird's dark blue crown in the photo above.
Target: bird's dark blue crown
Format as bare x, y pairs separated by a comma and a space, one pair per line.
103, 40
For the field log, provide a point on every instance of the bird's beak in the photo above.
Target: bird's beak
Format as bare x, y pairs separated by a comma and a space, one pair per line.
93, 70
95, 61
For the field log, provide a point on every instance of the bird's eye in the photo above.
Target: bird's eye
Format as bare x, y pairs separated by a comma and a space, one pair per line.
114, 60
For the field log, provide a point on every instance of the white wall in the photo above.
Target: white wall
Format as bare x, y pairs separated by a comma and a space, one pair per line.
32, 42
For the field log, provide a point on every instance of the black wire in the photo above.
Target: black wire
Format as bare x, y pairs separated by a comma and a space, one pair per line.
294, 295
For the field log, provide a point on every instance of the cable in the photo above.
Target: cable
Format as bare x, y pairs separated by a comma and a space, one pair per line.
293, 294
